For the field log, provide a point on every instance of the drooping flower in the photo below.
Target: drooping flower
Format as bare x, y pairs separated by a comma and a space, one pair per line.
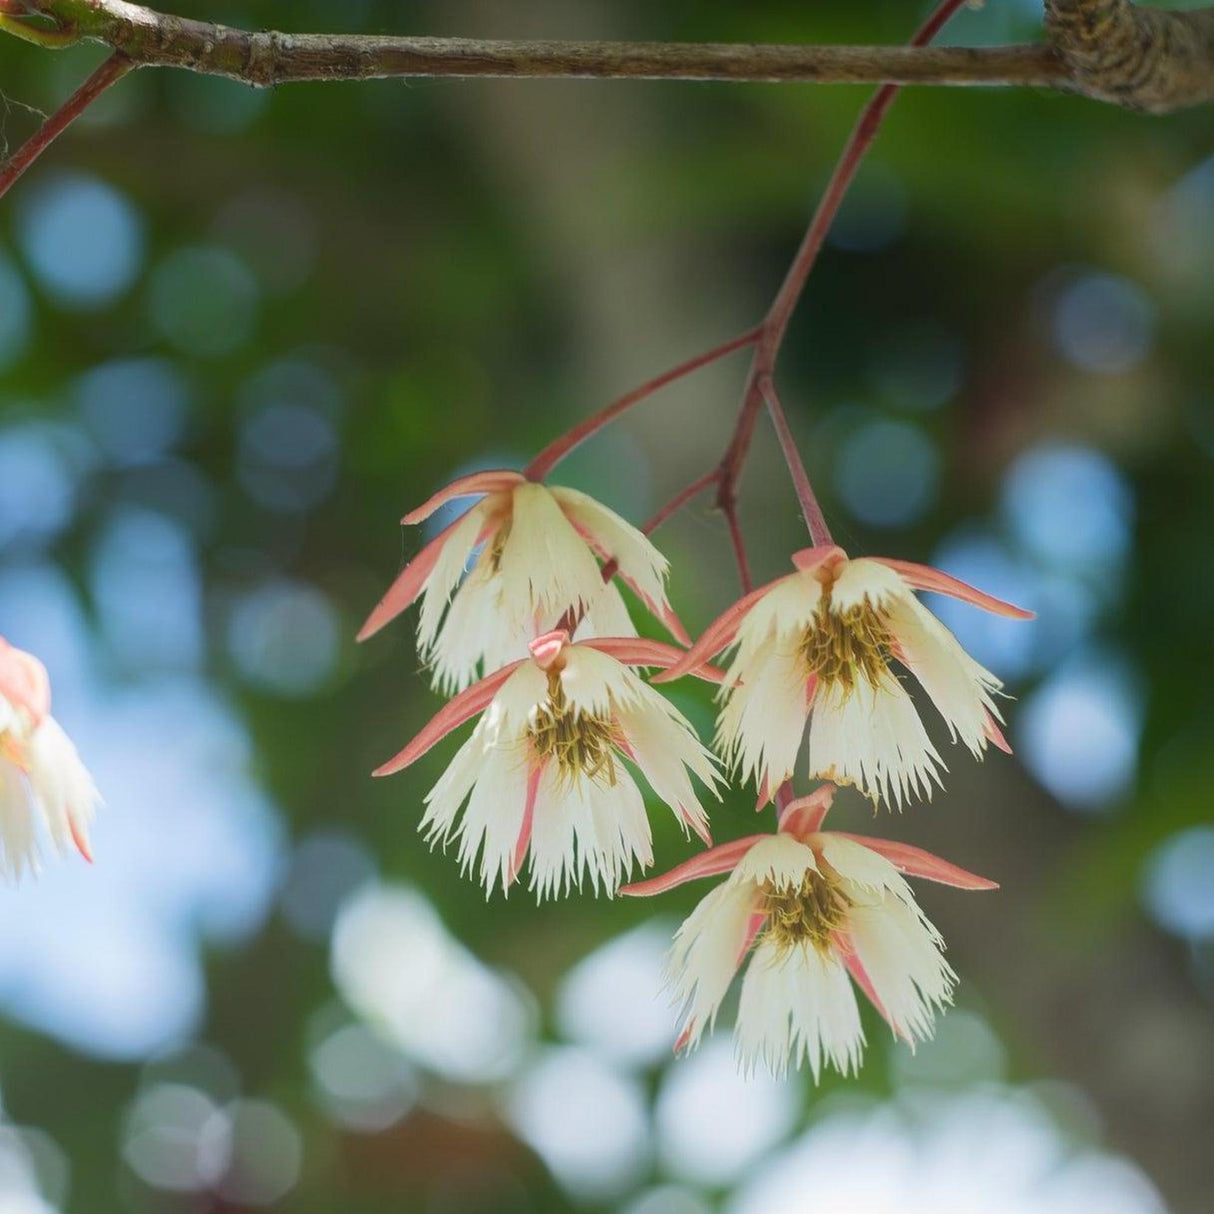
817, 645
816, 911
535, 551
44, 787
544, 773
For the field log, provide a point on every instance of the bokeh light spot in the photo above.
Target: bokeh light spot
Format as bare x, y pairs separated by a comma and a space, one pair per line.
82, 238
995, 1151
135, 409
284, 637
1069, 505
362, 1081
148, 589
396, 965
204, 301
614, 1000
1079, 734
1104, 323
585, 1119
37, 486
1178, 883
887, 473
162, 1136
288, 450
326, 867
713, 1123
262, 1150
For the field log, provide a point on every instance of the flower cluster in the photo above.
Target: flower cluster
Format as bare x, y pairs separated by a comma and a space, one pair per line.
45, 789
521, 619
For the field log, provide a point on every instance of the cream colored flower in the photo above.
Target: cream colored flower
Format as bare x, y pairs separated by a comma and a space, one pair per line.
818, 646
815, 911
45, 789
510, 569
547, 772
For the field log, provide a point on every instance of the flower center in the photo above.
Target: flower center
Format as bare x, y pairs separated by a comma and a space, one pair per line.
805, 913
580, 743
842, 647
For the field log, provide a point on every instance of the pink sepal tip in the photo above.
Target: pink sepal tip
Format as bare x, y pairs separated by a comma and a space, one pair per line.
923, 577
408, 584
641, 651
454, 713
718, 634
475, 484
81, 842
915, 862
711, 863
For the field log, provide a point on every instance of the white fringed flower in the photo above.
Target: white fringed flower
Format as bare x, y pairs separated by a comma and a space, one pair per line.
45, 789
817, 645
533, 551
816, 910
545, 773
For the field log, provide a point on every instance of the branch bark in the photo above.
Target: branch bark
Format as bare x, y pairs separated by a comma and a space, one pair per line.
1143, 58
1106, 49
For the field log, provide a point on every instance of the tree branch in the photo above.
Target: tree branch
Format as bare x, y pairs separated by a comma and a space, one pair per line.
269, 58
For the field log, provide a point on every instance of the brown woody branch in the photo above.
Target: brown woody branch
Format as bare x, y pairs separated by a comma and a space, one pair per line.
1107, 49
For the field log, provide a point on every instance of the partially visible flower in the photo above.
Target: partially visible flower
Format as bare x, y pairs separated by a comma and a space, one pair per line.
544, 771
44, 787
816, 645
534, 552
817, 910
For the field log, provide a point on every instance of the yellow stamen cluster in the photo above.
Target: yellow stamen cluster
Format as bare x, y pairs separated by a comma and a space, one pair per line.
581, 743
842, 647
805, 913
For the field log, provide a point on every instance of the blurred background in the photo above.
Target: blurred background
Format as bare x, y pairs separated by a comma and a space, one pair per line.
241, 333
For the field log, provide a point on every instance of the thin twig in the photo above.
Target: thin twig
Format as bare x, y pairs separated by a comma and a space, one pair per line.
556, 451
681, 499
112, 70
775, 326
738, 540
814, 519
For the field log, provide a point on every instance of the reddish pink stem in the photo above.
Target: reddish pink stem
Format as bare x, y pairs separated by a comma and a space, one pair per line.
112, 70
776, 322
681, 499
556, 451
814, 519
738, 540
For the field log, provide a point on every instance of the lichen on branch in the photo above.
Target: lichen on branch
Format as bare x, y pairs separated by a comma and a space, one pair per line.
1143, 58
